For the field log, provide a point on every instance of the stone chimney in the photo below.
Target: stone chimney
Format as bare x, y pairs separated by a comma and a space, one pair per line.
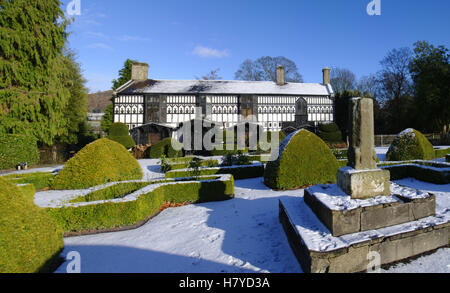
326, 75
139, 71
280, 75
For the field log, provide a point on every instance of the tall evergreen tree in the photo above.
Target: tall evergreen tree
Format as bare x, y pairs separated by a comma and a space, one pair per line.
124, 77
32, 96
430, 70
124, 74
76, 110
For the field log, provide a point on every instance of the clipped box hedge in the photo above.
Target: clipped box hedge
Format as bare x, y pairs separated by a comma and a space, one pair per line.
15, 149
30, 240
97, 163
165, 148
441, 153
330, 132
238, 172
139, 206
433, 172
119, 132
204, 163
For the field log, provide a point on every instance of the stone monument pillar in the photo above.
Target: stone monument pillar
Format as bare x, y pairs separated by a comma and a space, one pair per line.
361, 178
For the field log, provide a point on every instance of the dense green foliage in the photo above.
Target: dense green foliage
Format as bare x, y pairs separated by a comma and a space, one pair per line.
305, 160
430, 70
108, 118
330, 133
76, 111
15, 149
115, 191
410, 145
124, 74
42, 92
165, 147
240, 172
39, 180
439, 174
30, 240
27, 190
100, 162
118, 214
118, 132
441, 153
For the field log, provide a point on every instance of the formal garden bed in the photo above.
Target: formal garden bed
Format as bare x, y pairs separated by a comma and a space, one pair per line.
123, 204
239, 172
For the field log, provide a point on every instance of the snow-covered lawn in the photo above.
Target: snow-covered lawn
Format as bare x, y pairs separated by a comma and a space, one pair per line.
236, 236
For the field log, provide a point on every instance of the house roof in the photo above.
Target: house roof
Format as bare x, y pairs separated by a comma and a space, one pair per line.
224, 87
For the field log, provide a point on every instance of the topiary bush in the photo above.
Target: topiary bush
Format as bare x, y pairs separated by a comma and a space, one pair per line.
165, 147
410, 144
30, 240
330, 133
119, 132
15, 149
304, 160
98, 163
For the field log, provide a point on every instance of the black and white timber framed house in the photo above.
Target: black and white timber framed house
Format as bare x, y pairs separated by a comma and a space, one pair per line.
275, 105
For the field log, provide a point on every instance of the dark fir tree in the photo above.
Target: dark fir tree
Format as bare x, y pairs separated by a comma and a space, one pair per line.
430, 70
33, 97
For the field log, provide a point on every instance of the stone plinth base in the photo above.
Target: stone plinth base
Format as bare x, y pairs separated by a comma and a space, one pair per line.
319, 252
344, 215
360, 184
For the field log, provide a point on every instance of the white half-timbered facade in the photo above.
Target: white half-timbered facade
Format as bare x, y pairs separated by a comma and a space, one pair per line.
171, 102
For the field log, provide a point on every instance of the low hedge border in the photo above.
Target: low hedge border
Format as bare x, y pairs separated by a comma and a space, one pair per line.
441, 153
28, 190
39, 180
238, 172
433, 172
135, 208
205, 163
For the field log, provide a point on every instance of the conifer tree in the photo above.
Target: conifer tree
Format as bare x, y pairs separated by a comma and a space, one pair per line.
32, 96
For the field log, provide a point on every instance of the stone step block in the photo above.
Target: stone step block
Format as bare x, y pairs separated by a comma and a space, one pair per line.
343, 215
318, 251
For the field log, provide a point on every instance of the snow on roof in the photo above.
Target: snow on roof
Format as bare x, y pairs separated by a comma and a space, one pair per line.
225, 87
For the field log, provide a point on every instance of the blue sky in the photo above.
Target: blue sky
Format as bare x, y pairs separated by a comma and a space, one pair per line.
181, 39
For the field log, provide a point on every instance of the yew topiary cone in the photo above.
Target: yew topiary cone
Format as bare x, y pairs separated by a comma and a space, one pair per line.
98, 163
304, 160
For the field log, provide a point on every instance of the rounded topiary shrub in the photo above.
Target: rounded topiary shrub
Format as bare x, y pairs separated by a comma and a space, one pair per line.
97, 163
165, 147
15, 149
410, 144
330, 132
119, 132
304, 159
30, 240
